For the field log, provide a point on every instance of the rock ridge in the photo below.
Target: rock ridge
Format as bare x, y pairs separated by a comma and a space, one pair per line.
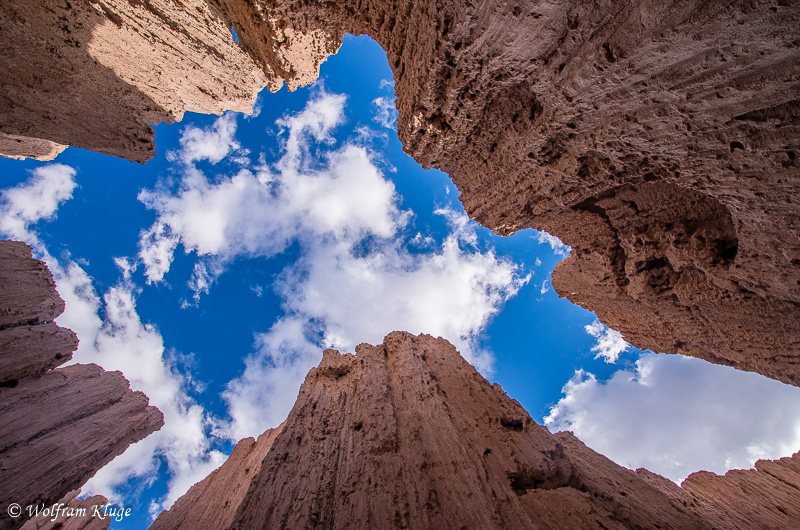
60, 425
407, 434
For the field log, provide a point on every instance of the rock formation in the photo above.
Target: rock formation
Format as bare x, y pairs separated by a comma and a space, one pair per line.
59, 426
407, 434
212, 502
658, 139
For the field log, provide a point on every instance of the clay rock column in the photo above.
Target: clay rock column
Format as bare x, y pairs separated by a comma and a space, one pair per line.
59, 426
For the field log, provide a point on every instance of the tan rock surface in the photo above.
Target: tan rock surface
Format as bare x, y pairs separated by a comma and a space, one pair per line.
96, 74
72, 522
767, 496
658, 139
57, 427
212, 502
408, 435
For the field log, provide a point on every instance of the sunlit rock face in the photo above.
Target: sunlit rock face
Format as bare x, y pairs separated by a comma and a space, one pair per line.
59, 425
407, 434
657, 139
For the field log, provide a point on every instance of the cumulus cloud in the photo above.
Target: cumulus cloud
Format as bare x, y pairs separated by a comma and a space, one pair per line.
117, 341
610, 343
212, 144
35, 199
559, 248
675, 415
355, 279
260, 210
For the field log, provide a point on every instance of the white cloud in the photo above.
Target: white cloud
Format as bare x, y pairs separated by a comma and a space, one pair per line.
36, 199
213, 143
119, 341
259, 212
610, 343
559, 248
354, 281
545, 286
675, 415
385, 112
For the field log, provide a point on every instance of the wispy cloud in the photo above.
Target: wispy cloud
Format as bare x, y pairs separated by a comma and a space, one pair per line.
118, 340
385, 112
559, 248
610, 343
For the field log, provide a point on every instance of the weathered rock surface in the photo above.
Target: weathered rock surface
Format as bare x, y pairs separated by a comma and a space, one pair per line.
69, 520
408, 435
212, 502
58, 426
97, 74
658, 139
765, 497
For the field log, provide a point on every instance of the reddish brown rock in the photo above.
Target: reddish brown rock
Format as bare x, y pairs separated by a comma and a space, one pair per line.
77, 514
212, 502
33, 350
658, 139
27, 292
767, 496
58, 426
408, 435
97, 74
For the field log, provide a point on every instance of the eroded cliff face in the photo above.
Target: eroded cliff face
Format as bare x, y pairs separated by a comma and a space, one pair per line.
407, 434
658, 139
59, 425
97, 74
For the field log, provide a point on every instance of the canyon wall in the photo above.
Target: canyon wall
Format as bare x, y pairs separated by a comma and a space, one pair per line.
406, 434
59, 425
659, 139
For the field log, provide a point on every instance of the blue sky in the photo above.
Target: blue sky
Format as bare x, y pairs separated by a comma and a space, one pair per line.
214, 275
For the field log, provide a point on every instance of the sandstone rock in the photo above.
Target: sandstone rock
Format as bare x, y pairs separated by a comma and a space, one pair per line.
58, 426
27, 292
72, 522
408, 435
33, 350
97, 74
658, 139
765, 497
212, 502
21, 147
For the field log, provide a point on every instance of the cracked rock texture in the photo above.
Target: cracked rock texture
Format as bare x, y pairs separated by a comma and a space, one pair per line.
212, 502
406, 434
59, 426
659, 139
96, 74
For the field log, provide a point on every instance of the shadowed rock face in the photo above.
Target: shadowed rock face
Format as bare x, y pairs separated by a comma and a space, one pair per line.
407, 434
57, 426
658, 139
